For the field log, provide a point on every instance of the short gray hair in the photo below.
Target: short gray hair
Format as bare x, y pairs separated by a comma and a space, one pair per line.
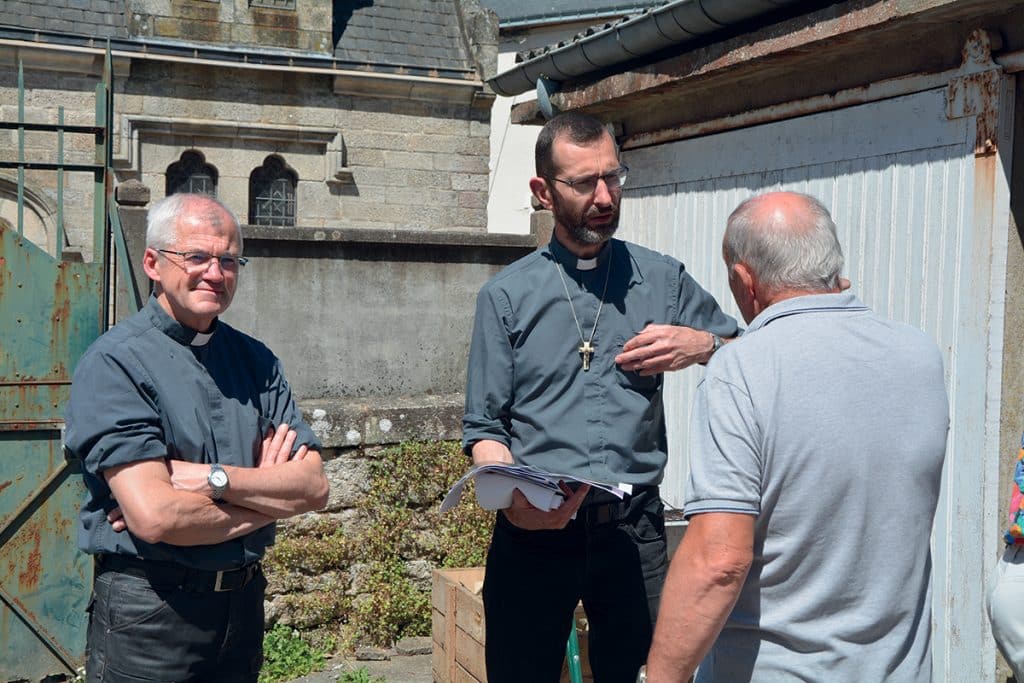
785, 254
162, 218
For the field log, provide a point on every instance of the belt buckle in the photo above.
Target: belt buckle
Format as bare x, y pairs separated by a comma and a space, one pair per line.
217, 584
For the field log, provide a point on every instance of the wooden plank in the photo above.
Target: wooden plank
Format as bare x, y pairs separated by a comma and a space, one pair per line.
463, 676
437, 626
439, 663
469, 614
450, 629
470, 654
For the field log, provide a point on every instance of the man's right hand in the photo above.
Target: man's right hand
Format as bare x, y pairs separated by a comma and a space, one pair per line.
277, 446
525, 516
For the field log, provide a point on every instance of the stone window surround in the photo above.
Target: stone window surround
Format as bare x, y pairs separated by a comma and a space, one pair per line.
136, 127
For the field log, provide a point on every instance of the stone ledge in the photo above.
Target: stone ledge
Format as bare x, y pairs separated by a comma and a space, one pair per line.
352, 423
378, 236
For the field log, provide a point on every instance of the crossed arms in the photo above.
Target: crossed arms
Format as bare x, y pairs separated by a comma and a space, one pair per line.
169, 501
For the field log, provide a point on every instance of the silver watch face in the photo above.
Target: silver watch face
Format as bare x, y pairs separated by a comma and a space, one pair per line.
218, 479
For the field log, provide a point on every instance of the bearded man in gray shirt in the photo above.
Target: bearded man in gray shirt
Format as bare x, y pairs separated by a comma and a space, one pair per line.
565, 373
192, 447
817, 446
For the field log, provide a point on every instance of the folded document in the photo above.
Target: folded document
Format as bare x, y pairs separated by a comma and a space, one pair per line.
495, 483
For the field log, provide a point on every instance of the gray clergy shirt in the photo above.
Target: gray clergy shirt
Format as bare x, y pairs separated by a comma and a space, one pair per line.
153, 388
526, 386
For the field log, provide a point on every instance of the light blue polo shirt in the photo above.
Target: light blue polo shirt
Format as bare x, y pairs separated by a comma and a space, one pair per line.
828, 424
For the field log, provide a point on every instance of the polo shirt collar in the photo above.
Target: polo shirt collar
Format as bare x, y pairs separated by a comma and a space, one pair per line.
185, 336
810, 303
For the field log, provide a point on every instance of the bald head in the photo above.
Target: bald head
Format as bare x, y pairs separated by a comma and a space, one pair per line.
787, 240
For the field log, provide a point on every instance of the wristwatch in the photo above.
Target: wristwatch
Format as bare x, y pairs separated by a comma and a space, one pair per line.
641, 675
716, 343
218, 481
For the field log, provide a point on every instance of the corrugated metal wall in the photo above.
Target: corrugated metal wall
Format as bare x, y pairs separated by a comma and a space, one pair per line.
900, 179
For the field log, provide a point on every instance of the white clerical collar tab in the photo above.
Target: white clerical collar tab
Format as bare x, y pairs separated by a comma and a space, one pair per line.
201, 339
586, 263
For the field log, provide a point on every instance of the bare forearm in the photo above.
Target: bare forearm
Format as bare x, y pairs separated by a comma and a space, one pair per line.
703, 584
194, 519
488, 451
282, 490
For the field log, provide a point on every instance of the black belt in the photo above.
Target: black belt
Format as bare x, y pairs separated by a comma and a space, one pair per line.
186, 578
614, 510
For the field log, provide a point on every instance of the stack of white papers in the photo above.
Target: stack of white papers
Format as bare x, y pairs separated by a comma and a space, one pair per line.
495, 483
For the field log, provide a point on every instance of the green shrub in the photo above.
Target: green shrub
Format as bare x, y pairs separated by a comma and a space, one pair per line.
286, 656
360, 675
402, 522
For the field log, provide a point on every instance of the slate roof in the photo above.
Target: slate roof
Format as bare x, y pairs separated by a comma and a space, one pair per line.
420, 34
524, 13
93, 18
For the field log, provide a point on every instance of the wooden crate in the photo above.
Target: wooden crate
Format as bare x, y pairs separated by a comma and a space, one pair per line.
457, 628
457, 625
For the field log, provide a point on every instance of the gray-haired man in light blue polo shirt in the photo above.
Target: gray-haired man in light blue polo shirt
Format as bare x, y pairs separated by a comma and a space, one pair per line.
818, 440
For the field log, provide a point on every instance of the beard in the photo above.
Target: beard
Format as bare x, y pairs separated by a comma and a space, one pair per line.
576, 224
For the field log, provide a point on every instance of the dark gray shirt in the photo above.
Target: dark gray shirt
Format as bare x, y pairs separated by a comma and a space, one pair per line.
152, 388
526, 387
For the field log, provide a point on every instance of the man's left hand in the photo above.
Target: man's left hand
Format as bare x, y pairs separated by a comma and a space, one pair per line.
661, 348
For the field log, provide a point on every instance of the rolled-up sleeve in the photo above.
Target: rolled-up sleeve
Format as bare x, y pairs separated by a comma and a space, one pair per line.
489, 376
112, 415
280, 408
696, 308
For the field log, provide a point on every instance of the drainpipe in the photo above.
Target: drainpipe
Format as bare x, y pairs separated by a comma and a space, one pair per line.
670, 25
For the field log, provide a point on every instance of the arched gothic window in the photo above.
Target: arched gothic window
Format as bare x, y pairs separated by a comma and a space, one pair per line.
272, 193
191, 173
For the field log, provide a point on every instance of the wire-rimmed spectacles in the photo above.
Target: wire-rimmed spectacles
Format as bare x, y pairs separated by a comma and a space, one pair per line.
588, 185
200, 261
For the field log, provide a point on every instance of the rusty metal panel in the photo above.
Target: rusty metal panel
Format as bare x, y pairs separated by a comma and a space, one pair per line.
50, 312
920, 208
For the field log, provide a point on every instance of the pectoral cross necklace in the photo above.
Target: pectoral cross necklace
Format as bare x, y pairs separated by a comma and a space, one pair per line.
586, 349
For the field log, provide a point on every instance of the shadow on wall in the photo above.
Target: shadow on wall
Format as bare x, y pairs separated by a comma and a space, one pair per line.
343, 11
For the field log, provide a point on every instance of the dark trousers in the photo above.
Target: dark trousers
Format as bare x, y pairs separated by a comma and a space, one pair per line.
147, 629
612, 557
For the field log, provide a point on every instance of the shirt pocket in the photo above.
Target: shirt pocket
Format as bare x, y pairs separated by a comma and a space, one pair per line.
633, 381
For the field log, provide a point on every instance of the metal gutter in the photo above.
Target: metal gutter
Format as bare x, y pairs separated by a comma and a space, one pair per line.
671, 25
546, 19
245, 57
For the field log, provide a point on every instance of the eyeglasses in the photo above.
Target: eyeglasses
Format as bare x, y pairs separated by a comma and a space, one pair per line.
200, 261
587, 186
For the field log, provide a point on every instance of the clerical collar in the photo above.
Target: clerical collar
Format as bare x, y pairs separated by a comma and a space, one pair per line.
570, 260
182, 334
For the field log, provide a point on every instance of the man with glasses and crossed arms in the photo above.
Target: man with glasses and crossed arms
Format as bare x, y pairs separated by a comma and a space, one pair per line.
565, 373
192, 448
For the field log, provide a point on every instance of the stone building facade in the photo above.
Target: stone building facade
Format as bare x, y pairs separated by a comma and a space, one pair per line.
299, 113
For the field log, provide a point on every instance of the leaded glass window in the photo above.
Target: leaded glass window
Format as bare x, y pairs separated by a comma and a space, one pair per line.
191, 173
272, 193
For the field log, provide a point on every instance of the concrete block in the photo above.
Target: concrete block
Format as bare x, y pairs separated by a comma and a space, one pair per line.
470, 218
480, 129
424, 179
376, 140
469, 181
462, 163
314, 203
409, 160
362, 156
473, 200
420, 196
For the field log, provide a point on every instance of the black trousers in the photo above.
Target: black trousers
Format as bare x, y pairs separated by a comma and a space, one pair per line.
152, 629
612, 557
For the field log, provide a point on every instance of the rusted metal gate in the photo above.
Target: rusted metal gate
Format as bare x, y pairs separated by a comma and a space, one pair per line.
51, 309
